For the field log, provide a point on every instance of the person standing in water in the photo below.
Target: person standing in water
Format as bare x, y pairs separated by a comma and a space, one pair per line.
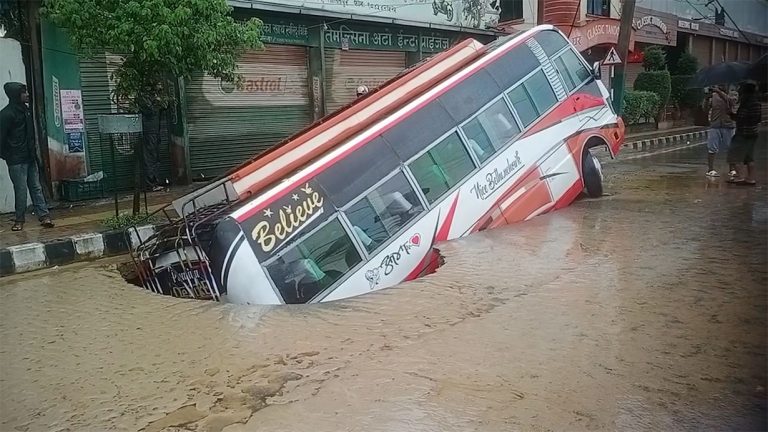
721, 128
19, 150
742, 151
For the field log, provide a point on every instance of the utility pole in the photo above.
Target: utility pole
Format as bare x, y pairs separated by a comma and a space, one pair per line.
625, 33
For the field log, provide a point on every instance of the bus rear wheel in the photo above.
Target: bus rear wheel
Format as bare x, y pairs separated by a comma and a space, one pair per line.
592, 172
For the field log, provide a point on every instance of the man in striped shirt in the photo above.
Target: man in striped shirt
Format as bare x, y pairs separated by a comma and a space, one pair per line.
742, 150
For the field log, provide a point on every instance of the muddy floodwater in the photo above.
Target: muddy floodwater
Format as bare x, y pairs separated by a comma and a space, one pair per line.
644, 310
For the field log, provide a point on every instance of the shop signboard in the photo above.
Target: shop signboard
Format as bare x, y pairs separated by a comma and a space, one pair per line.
477, 14
349, 36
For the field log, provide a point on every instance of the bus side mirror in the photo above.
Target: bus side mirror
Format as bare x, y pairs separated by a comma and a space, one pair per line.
596, 70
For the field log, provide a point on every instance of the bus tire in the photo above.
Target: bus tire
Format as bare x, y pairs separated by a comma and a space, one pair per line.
592, 173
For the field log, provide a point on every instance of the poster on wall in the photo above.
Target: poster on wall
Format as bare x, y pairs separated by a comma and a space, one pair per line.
72, 110
478, 14
75, 142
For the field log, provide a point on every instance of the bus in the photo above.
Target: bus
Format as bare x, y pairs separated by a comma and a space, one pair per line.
477, 137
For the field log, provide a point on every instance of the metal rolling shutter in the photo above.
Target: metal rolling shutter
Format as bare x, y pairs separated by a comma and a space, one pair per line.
702, 50
346, 70
632, 71
719, 54
95, 82
733, 51
228, 126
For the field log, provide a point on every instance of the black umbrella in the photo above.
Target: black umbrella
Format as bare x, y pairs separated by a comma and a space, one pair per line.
721, 73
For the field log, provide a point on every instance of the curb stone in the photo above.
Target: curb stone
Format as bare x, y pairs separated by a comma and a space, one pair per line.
80, 247
665, 141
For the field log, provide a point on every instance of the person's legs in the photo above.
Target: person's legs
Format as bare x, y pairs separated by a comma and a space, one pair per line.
36, 193
749, 161
713, 146
18, 174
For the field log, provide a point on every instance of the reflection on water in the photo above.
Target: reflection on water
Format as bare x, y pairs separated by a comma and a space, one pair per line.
644, 310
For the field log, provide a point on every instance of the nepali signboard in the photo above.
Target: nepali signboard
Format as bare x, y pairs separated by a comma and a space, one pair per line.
477, 14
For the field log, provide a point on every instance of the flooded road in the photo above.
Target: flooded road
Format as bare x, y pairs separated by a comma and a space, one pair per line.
644, 310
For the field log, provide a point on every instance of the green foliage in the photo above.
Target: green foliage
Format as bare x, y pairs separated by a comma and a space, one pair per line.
686, 64
639, 106
658, 82
158, 40
654, 59
679, 85
682, 96
125, 220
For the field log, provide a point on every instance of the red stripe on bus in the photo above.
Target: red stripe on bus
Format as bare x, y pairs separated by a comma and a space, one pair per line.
572, 105
445, 229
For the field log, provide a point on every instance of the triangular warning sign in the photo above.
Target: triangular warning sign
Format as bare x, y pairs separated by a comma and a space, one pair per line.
612, 58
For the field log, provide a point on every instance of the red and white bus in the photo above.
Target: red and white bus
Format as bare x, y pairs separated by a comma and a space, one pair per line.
477, 137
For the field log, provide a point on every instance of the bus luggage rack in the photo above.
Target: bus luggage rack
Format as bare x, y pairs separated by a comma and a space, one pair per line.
172, 261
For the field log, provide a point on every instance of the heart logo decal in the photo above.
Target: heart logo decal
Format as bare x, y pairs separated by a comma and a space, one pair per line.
416, 239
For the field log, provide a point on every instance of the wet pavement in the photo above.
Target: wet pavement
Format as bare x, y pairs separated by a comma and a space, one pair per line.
643, 310
82, 217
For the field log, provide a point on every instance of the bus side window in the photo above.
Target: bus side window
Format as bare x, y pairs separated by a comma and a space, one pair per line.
550, 41
491, 130
314, 263
442, 167
571, 69
381, 213
532, 98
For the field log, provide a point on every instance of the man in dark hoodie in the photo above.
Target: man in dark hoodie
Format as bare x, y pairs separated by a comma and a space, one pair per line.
18, 148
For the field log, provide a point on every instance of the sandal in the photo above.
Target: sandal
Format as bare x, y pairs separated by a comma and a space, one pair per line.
46, 222
17, 226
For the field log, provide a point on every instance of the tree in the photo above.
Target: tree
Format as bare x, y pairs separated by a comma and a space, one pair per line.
654, 59
687, 64
159, 41
655, 78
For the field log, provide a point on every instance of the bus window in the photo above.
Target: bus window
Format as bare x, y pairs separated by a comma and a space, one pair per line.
491, 130
464, 100
415, 132
384, 211
314, 263
513, 66
550, 41
442, 167
571, 69
532, 98
358, 171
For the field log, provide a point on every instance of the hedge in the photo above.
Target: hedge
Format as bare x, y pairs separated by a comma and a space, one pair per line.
658, 82
683, 96
640, 106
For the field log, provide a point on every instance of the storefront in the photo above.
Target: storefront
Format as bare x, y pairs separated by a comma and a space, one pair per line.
650, 28
369, 55
594, 40
309, 67
227, 124
712, 44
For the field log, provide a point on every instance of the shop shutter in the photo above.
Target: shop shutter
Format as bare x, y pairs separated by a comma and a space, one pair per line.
346, 70
702, 48
229, 125
719, 54
97, 99
733, 51
632, 71
743, 52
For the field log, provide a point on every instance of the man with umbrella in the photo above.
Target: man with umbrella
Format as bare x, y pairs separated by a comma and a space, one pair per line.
742, 150
721, 128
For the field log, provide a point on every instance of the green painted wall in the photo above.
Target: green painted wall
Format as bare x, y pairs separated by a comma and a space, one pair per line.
61, 71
